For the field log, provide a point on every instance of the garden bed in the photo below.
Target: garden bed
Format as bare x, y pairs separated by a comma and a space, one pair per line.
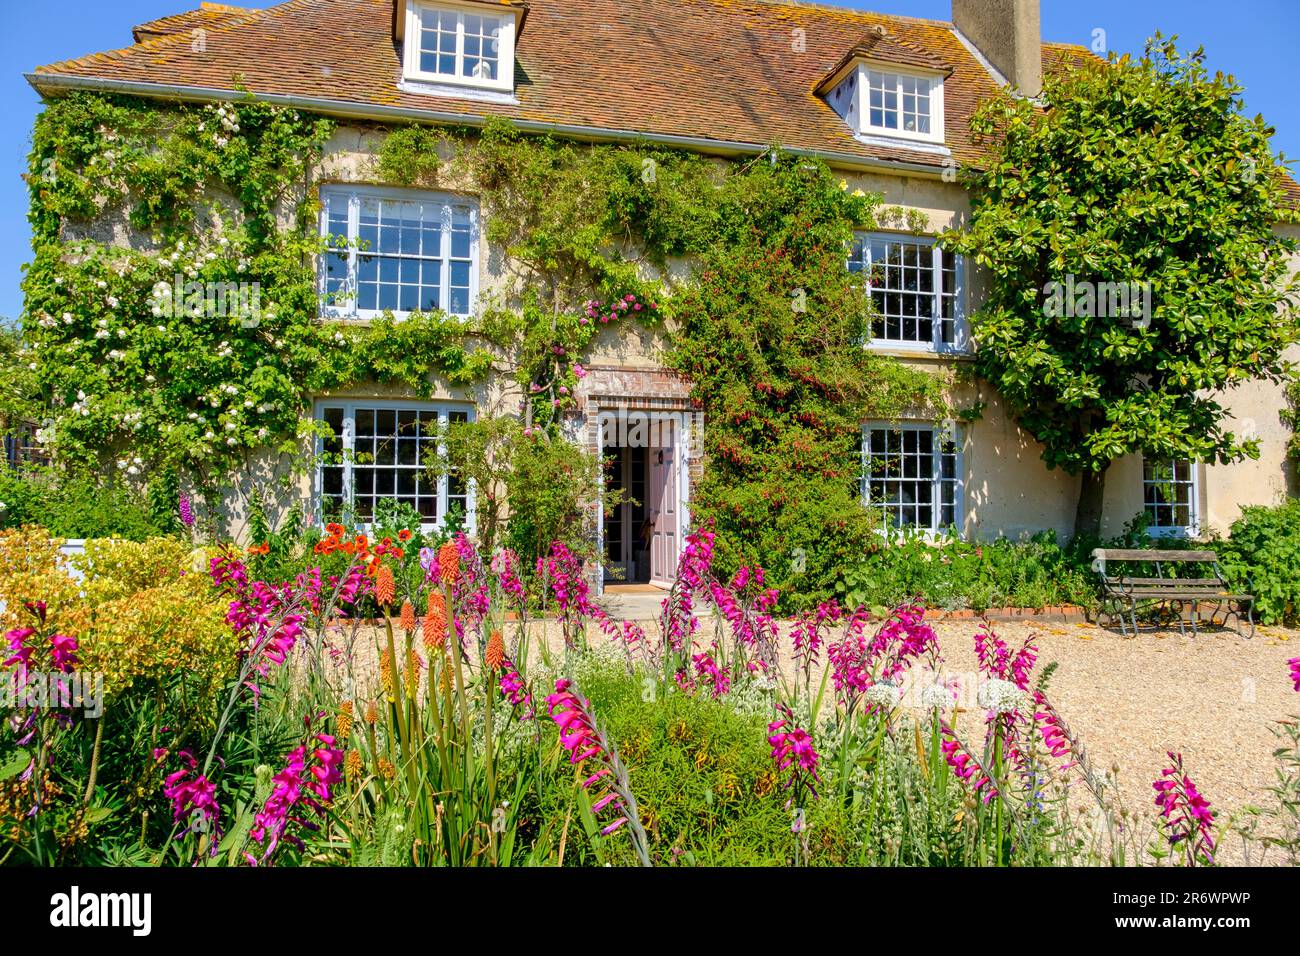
1212, 696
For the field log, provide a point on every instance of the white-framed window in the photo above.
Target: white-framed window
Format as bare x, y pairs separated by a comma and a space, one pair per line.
898, 101
902, 104
912, 473
917, 291
378, 451
463, 45
397, 250
1171, 498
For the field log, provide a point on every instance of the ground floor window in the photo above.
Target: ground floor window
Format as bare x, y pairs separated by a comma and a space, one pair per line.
910, 472
1170, 492
377, 452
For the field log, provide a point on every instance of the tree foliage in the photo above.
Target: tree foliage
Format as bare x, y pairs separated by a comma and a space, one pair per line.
1132, 171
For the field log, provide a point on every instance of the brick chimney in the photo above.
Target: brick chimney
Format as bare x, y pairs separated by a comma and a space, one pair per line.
1008, 34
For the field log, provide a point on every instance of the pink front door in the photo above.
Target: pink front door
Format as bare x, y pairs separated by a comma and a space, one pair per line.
663, 504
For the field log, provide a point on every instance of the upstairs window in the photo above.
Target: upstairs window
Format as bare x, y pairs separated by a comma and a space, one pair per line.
461, 45
397, 251
916, 292
898, 102
1170, 497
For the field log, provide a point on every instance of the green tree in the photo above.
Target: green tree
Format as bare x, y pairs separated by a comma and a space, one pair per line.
1134, 171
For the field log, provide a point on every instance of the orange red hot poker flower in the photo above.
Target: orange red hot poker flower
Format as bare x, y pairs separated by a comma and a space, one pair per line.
448, 563
435, 623
495, 653
385, 586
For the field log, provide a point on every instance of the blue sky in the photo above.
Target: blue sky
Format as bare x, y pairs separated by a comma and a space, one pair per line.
1254, 39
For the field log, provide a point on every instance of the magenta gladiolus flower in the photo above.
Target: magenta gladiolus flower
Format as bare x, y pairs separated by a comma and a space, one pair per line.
794, 754
63, 652
608, 785
298, 793
1295, 672
1186, 815
997, 661
505, 564
514, 690
194, 800
965, 765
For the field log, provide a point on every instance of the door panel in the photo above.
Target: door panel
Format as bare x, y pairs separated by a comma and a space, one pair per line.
664, 503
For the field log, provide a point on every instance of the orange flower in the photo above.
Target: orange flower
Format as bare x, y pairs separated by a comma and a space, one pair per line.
385, 586
403, 535
352, 764
448, 563
496, 651
408, 616
348, 547
386, 672
386, 543
334, 529
262, 548
435, 623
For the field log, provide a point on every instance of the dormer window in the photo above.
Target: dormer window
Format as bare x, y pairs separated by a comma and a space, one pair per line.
899, 102
461, 44
888, 90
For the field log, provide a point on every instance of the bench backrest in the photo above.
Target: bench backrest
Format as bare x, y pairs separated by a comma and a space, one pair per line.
1171, 557
1102, 556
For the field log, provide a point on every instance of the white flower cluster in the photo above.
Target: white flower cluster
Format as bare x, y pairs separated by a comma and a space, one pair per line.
884, 694
131, 466
228, 120
1001, 696
936, 696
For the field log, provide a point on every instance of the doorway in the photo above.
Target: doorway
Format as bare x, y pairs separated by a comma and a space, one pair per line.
640, 534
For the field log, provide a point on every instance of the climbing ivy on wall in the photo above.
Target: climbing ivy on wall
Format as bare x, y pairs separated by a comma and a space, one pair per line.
771, 336
171, 303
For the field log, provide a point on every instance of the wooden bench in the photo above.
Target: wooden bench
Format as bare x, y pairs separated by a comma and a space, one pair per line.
1126, 593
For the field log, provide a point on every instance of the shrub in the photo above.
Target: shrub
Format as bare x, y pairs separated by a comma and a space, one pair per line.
954, 574
32, 569
1262, 557
83, 506
703, 774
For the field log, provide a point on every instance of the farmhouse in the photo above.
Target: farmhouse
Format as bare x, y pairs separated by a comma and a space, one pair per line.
885, 100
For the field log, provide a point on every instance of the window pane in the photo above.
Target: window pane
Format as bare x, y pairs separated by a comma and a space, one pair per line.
911, 476
400, 264
1169, 495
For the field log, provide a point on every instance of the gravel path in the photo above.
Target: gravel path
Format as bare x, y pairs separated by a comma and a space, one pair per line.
1212, 697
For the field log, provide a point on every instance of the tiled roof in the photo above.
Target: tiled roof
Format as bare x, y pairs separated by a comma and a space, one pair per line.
205, 18
728, 71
